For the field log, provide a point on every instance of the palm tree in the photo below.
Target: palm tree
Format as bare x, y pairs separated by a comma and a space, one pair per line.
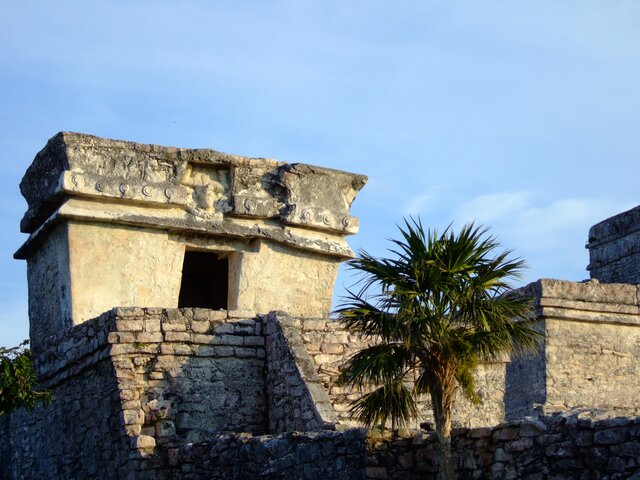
438, 307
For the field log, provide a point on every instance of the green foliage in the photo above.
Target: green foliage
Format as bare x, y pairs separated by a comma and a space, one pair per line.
18, 380
439, 306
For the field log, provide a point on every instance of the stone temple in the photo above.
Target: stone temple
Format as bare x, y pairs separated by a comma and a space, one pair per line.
179, 306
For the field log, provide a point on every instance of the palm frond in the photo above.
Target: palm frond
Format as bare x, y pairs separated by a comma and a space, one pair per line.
378, 364
390, 401
360, 316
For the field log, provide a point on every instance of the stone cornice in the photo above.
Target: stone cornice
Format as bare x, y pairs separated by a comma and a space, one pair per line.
189, 189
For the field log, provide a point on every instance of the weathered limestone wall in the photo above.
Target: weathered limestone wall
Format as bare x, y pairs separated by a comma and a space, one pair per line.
526, 383
591, 355
109, 223
559, 447
329, 345
134, 382
49, 280
278, 277
79, 436
124, 266
614, 248
197, 372
593, 366
83, 269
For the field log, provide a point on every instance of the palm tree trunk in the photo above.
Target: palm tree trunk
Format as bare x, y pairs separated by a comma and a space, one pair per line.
442, 398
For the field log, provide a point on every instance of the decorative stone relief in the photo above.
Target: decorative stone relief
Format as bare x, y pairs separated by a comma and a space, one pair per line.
319, 197
255, 191
192, 190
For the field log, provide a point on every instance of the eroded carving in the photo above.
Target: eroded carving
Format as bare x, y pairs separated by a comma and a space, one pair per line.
204, 188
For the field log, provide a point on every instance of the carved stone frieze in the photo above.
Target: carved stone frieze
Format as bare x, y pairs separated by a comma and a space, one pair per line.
190, 189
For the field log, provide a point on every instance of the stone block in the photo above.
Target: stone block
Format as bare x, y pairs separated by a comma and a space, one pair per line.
253, 341
152, 325
332, 348
203, 339
143, 442
244, 352
234, 340
200, 326
177, 337
174, 326
148, 337
130, 325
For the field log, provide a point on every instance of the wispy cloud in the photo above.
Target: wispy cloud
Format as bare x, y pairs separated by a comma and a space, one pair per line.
493, 207
549, 234
426, 201
532, 221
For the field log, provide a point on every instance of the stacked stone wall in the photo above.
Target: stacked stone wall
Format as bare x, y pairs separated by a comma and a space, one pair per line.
614, 248
329, 344
312, 456
134, 382
79, 436
592, 366
297, 399
558, 447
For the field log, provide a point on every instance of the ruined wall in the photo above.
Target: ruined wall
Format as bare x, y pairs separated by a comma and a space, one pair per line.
614, 248
591, 354
526, 383
297, 399
329, 344
134, 382
79, 436
570, 446
311, 456
49, 288
592, 366
81, 433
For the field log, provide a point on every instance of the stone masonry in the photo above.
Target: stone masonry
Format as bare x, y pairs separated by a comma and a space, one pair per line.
179, 301
329, 344
574, 445
614, 248
591, 354
116, 223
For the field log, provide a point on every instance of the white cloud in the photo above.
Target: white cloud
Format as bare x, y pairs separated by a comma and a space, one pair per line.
488, 209
549, 234
426, 201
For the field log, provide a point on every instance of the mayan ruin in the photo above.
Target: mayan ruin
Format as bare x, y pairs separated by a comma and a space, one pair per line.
179, 310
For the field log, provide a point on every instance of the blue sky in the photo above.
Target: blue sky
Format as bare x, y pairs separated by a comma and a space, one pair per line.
522, 115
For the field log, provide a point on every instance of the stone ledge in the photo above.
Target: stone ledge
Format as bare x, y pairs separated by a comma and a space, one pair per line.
590, 292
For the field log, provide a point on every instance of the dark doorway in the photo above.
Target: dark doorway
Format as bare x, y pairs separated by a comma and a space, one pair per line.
205, 278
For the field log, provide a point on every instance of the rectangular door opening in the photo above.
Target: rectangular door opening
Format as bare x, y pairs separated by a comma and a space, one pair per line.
205, 280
